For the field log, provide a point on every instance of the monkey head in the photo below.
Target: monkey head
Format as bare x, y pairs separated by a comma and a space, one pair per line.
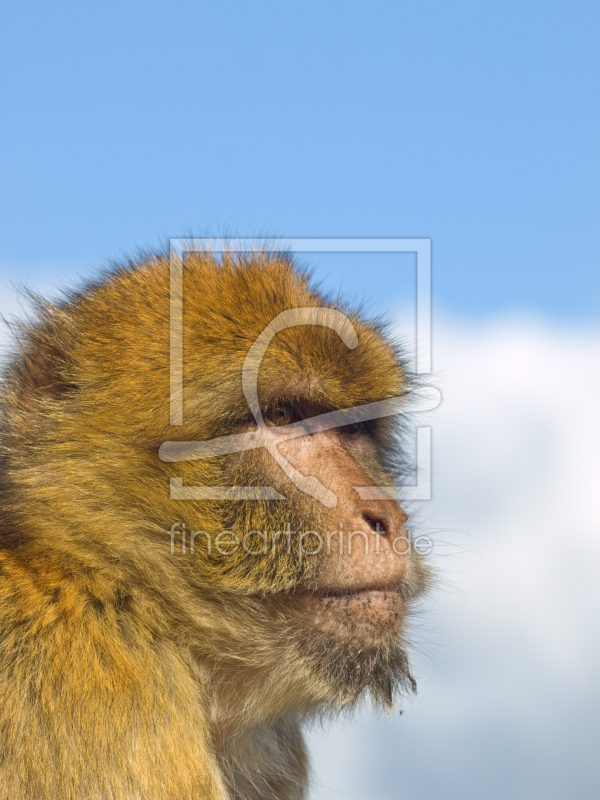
260, 533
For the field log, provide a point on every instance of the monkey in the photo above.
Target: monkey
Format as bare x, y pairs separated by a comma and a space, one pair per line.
178, 598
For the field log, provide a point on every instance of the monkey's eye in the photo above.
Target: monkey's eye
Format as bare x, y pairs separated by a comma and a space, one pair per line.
280, 415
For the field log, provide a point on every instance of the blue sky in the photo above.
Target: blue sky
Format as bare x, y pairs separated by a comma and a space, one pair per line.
473, 123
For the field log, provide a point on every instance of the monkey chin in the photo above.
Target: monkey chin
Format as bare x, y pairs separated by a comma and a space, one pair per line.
356, 643
367, 618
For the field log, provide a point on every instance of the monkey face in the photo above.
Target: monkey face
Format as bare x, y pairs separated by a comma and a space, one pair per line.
344, 572
360, 574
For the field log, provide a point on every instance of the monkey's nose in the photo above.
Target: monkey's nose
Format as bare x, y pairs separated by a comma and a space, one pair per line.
377, 523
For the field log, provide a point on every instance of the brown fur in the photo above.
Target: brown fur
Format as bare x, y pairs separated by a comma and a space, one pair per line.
133, 673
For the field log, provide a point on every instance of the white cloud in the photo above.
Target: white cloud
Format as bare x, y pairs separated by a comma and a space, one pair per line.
508, 654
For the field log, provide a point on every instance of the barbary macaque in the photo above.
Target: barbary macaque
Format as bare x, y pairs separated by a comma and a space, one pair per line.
179, 594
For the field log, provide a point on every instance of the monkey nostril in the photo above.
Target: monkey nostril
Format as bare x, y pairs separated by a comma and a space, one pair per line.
376, 524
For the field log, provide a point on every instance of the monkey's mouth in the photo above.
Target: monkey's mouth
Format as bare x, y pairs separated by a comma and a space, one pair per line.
381, 601
364, 591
